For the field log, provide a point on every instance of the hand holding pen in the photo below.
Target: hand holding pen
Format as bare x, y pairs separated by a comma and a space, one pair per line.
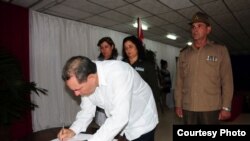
63, 128
65, 134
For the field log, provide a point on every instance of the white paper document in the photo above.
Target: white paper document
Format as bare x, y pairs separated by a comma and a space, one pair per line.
79, 137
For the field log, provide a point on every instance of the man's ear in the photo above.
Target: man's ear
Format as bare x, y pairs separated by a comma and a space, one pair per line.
91, 77
209, 29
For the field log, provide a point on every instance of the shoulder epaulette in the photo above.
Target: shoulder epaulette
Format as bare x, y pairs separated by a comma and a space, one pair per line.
184, 48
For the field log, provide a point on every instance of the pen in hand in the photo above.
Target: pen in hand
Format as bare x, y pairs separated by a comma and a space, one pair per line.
65, 133
62, 130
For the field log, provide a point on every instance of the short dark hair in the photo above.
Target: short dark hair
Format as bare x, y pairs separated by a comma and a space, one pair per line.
80, 66
163, 63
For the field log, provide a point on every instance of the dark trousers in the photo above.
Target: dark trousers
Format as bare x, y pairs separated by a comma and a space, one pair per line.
145, 137
210, 117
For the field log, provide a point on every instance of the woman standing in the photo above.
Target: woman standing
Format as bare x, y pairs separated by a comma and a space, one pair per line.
107, 49
166, 85
107, 52
134, 53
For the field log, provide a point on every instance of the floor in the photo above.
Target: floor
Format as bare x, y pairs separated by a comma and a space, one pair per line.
168, 118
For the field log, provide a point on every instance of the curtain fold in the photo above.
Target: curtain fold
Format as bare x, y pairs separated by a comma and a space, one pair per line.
53, 40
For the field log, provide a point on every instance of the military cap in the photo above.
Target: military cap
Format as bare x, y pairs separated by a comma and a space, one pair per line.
200, 17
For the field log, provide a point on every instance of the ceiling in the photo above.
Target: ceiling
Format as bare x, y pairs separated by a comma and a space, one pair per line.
230, 19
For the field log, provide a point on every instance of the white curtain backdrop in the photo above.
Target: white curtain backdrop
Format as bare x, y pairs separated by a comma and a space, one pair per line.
53, 40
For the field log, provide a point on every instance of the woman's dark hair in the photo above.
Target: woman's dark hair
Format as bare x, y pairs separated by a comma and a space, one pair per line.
79, 66
111, 43
138, 44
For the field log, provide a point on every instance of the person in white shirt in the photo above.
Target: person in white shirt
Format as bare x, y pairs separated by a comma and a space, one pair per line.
116, 87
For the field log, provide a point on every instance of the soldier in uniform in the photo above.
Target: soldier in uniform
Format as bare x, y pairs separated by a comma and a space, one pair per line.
204, 83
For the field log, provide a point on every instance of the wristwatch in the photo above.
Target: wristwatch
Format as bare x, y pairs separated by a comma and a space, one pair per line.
226, 109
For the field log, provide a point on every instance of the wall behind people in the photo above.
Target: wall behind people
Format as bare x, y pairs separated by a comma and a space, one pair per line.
53, 40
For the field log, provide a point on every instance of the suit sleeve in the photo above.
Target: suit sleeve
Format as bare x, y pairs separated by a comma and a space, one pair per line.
178, 84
